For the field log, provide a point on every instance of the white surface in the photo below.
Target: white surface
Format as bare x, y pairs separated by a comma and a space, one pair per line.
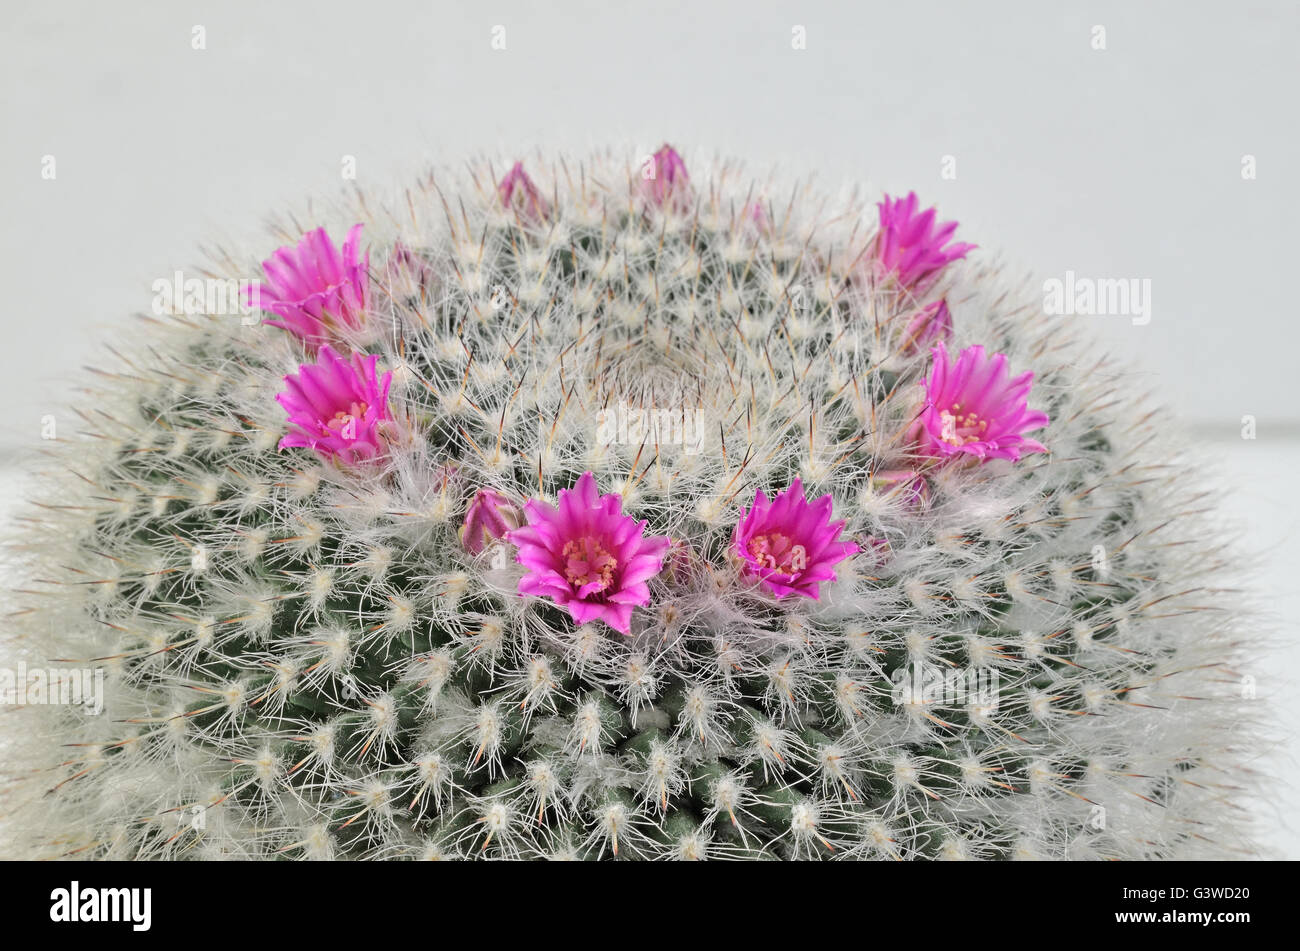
1262, 477
1122, 163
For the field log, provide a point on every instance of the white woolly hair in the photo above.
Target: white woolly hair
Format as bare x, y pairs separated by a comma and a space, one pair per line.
336, 677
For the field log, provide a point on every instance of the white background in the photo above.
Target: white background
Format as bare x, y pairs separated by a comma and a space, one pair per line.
1119, 163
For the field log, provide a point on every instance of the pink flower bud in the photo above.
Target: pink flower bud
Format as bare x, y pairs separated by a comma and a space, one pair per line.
911, 486
665, 183
488, 518
755, 221
519, 193
680, 561
404, 265
932, 325
878, 548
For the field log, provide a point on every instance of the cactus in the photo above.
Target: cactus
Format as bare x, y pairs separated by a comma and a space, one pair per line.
338, 647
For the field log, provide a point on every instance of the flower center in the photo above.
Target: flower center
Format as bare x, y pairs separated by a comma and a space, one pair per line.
776, 551
344, 422
958, 428
586, 562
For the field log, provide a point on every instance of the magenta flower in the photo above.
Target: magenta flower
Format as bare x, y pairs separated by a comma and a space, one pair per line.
488, 518
972, 407
665, 183
337, 407
932, 325
789, 543
587, 556
315, 289
909, 246
518, 189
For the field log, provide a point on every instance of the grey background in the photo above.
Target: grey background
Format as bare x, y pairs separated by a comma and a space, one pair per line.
1117, 163
1121, 163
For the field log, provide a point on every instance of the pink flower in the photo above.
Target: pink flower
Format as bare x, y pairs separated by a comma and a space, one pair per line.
909, 246
337, 407
587, 556
517, 189
789, 543
665, 183
932, 325
315, 289
972, 407
488, 518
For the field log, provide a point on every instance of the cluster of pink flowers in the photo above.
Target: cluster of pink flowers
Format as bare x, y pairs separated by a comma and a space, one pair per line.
583, 553
588, 557
972, 408
337, 404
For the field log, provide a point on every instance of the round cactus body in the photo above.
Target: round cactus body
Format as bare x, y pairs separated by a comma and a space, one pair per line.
602, 509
